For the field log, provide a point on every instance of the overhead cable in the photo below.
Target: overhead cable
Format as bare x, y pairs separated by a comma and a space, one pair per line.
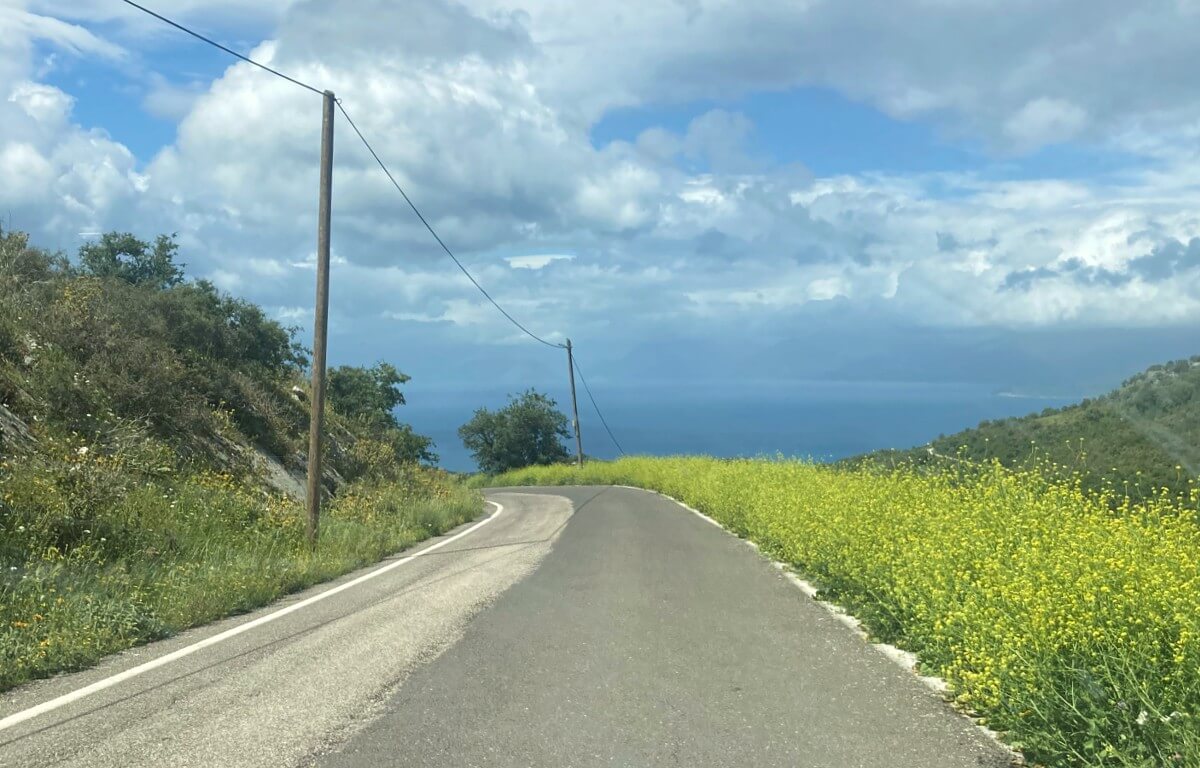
595, 407
370, 149
215, 44
438, 238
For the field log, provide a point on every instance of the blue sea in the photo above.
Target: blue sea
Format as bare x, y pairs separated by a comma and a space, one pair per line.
817, 420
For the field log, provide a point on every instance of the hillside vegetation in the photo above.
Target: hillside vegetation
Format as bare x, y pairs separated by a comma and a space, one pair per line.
1068, 620
152, 432
1145, 435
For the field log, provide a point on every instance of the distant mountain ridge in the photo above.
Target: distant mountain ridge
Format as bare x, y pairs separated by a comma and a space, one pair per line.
1146, 432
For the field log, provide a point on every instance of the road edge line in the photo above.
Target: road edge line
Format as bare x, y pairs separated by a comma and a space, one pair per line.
108, 682
906, 660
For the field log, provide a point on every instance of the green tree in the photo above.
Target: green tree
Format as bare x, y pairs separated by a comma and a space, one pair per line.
527, 431
125, 257
206, 324
370, 394
411, 447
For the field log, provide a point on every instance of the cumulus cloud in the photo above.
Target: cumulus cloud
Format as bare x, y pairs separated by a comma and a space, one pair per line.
483, 111
59, 177
67, 178
719, 138
44, 104
1022, 73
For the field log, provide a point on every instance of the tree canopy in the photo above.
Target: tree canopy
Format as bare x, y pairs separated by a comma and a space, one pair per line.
527, 431
120, 338
125, 257
370, 396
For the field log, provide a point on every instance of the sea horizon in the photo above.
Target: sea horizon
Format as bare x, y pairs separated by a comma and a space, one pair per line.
821, 421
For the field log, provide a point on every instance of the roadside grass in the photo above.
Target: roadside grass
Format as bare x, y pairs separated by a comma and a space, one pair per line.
135, 404
1066, 619
99, 553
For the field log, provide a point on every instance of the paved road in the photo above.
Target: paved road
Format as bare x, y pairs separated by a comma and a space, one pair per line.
580, 627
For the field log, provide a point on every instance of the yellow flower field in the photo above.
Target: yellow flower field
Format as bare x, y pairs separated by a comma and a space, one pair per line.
1067, 620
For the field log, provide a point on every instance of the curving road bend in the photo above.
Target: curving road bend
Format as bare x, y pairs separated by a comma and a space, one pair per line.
577, 627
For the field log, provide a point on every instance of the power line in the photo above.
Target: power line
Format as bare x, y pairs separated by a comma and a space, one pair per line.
436, 237
595, 407
370, 149
215, 44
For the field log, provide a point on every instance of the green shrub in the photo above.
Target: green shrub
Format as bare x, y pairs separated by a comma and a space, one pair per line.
138, 512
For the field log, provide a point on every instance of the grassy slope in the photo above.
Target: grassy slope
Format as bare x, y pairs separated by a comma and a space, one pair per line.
134, 508
1145, 433
148, 556
1069, 621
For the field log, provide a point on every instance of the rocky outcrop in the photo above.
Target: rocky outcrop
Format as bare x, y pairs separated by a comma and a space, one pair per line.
14, 434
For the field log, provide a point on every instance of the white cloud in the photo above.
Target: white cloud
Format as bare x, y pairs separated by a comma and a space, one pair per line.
23, 161
225, 280
267, 267
619, 197
535, 261
827, 288
1036, 194
60, 178
212, 13
293, 314
18, 24
719, 138
1029, 72
485, 121
1045, 121
45, 104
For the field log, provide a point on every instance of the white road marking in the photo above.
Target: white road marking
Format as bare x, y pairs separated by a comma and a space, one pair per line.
109, 682
906, 660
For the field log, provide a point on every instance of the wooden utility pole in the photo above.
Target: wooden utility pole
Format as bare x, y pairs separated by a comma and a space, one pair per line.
320, 323
574, 406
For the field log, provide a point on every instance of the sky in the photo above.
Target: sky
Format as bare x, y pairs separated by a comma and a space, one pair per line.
707, 196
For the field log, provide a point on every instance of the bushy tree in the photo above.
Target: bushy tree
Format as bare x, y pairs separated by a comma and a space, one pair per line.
25, 273
205, 324
370, 396
125, 257
410, 446
119, 340
22, 265
122, 336
525, 432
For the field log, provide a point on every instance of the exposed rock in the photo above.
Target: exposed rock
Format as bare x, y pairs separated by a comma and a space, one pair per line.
14, 434
277, 476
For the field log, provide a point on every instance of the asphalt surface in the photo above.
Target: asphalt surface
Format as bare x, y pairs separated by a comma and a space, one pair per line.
580, 627
648, 636
286, 691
